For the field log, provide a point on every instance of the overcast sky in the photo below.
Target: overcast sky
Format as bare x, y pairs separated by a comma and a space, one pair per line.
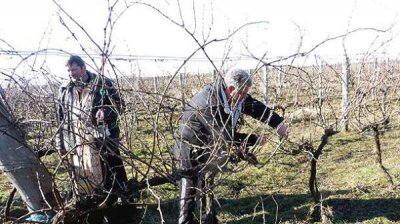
32, 25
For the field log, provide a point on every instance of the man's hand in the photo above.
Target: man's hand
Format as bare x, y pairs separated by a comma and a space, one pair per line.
100, 115
62, 151
283, 131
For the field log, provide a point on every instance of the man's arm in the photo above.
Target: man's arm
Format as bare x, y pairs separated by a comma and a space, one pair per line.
246, 139
115, 104
261, 112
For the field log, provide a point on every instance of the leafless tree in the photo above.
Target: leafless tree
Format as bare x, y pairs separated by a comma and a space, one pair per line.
306, 95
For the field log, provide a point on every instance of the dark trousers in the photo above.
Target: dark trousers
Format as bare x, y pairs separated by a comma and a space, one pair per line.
195, 188
115, 175
113, 168
194, 191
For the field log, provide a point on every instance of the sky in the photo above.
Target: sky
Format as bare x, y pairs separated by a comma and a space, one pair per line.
158, 46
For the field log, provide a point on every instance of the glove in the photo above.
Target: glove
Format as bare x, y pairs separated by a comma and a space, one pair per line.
282, 130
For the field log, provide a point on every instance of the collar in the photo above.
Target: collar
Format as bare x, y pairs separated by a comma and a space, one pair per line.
90, 77
235, 113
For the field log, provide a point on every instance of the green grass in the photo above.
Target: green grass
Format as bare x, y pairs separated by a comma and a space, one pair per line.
351, 184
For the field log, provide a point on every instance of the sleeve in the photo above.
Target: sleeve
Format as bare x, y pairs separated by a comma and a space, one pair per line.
208, 118
261, 112
115, 104
246, 139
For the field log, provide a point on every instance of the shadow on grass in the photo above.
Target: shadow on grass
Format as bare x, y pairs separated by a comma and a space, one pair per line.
291, 208
353, 210
294, 208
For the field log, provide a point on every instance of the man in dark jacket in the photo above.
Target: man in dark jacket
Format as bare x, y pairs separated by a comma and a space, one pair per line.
207, 132
88, 114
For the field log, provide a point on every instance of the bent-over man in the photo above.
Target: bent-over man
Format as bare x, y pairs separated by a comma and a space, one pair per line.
207, 131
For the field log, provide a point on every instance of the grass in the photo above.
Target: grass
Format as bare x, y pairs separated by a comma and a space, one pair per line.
351, 184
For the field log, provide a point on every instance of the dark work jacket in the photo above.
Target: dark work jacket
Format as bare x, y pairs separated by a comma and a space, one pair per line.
204, 123
106, 97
